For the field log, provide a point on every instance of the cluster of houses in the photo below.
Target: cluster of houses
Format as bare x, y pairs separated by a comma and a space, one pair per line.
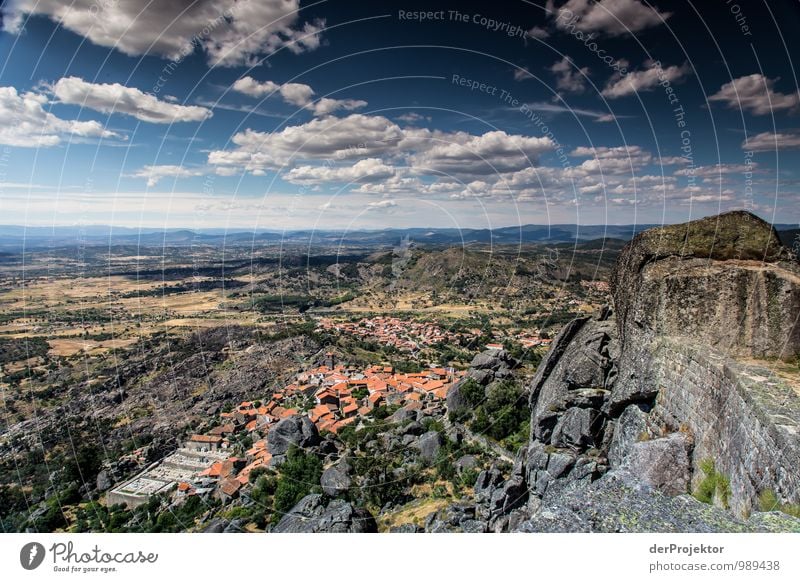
344, 394
331, 395
407, 336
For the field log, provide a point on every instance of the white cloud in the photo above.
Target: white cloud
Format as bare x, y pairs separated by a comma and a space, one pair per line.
547, 107
364, 136
755, 93
25, 123
609, 17
770, 142
634, 155
522, 74
366, 170
716, 170
229, 31
297, 94
643, 80
382, 205
673, 161
249, 86
155, 173
538, 32
115, 98
413, 117
490, 153
569, 77
351, 137
392, 161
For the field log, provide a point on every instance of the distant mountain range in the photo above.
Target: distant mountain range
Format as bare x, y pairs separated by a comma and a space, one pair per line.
33, 238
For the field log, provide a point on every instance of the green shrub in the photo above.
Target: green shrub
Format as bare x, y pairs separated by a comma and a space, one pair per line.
768, 501
298, 476
714, 486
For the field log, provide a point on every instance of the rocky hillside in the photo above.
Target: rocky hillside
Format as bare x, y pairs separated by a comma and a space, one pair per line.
670, 393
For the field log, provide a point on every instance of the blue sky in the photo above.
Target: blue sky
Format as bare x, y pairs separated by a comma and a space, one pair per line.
295, 115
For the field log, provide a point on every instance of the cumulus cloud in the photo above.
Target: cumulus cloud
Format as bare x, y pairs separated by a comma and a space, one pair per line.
490, 153
375, 156
608, 17
755, 93
644, 80
249, 86
351, 137
230, 32
569, 77
366, 170
25, 123
297, 94
155, 173
770, 142
115, 98
632, 156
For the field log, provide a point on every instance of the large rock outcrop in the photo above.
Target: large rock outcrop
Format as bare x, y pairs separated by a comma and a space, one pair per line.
724, 280
627, 405
313, 515
296, 431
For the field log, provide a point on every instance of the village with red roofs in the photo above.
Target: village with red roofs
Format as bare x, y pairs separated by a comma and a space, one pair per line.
332, 396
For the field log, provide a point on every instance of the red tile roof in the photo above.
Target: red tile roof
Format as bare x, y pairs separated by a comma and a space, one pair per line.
230, 486
204, 438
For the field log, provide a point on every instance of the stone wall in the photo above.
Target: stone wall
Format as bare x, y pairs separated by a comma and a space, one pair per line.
743, 417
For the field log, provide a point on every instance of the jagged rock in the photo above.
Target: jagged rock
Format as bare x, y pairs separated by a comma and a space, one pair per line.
408, 440
582, 473
482, 377
429, 445
473, 526
335, 480
403, 415
585, 398
216, 525
405, 528
465, 463
577, 373
512, 494
454, 518
486, 482
413, 428
545, 466
650, 366
627, 430
495, 496
104, 480
744, 308
663, 463
295, 430
619, 502
235, 526
312, 515
328, 446
577, 428
494, 360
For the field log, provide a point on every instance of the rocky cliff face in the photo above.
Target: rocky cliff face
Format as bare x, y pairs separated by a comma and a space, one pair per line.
724, 280
631, 409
